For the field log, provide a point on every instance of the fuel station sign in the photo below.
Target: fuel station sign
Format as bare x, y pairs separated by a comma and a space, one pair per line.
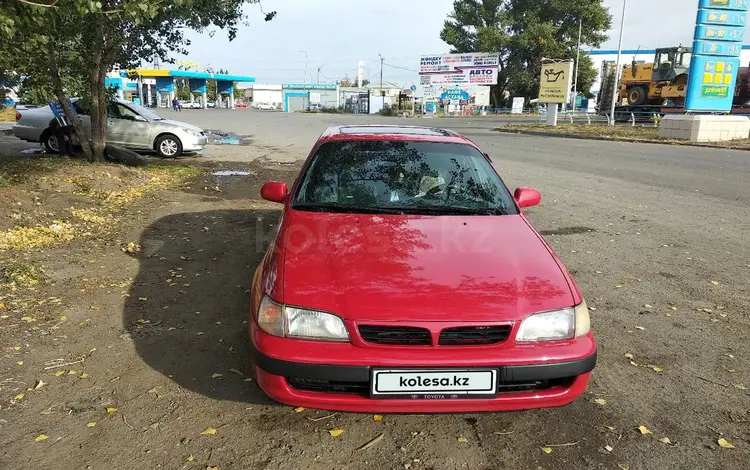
717, 45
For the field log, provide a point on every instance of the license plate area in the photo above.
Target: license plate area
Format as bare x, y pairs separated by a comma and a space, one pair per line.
433, 384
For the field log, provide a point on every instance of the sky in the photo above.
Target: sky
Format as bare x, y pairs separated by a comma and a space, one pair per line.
328, 37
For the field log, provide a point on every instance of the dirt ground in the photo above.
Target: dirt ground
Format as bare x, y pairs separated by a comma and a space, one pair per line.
124, 339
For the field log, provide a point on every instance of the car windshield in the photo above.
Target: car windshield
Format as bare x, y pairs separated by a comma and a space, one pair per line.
145, 112
393, 176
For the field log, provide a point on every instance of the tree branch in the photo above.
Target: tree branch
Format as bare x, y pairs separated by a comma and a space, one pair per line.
43, 5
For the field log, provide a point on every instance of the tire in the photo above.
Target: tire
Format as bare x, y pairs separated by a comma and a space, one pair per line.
50, 142
637, 95
168, 146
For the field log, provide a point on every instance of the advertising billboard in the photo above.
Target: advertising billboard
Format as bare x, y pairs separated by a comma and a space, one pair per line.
555, 82
459, 69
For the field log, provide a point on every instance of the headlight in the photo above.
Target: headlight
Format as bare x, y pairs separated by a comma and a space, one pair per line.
292, 322
193, 132
556, 325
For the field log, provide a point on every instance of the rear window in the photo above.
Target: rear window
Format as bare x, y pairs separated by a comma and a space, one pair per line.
402, 176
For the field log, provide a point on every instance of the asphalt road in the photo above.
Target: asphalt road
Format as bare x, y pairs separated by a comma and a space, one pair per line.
657, 240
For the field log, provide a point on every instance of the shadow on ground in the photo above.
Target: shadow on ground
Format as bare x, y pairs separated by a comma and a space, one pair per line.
187, 310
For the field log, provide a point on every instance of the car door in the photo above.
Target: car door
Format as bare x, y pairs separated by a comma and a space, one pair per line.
127, 128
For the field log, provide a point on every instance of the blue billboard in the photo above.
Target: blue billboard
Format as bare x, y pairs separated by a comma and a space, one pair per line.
719, 31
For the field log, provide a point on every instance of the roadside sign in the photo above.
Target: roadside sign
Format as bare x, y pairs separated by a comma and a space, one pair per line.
554, 82
459, 69
717, 45
455, 95
413, 87
315, 98
517, 105
482, 97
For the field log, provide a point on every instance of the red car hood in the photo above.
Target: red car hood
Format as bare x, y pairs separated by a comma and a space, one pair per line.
419, 268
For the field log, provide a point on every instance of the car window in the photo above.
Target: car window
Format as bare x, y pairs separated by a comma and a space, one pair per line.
418, 177
118, 111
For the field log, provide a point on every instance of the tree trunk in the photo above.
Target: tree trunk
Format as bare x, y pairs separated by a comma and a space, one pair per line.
62, 97
99, 101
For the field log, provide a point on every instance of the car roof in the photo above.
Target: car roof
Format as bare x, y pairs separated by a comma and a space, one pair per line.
393, 132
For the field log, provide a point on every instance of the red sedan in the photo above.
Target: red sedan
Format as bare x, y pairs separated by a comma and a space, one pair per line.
404, 277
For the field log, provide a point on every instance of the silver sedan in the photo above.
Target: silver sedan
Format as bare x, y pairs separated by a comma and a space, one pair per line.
128, 125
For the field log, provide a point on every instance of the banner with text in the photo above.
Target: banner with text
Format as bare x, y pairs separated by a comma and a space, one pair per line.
555, 82
459, 69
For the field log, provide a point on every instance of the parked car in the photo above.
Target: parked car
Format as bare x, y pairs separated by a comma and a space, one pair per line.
404, 277
128, 124
210, 104
190, 104
266, 106
240, 105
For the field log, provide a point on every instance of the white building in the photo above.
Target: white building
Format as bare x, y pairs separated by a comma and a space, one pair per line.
639, 55
270, 94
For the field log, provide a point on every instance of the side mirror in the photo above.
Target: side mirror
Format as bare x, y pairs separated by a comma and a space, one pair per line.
274, 191
527, 197
139, 118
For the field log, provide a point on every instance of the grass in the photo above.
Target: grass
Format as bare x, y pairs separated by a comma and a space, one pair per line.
8, 114
107, 190
616, 133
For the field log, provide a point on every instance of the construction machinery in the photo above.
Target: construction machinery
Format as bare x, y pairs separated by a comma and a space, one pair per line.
659, 86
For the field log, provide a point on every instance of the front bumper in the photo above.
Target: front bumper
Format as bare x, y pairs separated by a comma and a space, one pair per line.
193, 143
527, 379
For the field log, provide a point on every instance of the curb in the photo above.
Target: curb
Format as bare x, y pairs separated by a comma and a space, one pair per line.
623, 140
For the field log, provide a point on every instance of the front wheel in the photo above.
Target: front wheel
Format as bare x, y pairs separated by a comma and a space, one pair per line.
168, 146
50, 143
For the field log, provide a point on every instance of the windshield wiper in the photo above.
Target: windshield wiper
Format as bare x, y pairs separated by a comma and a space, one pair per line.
345, 208
445, 210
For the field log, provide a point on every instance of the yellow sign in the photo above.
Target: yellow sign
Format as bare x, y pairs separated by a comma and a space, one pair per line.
554, 85
186, 64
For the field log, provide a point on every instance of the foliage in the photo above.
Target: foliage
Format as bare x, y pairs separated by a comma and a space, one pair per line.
525, 31
53, 40
387, 111
351, 83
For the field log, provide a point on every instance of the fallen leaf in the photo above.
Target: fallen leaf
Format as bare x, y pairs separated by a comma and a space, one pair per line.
723, 443
644, 430
17, 348
19, 396
600, 401
378, 418
111, 410
609, 448
462, 439
656, 368
648, 306
72, 372
238, 372
618, 286
299, 410
84, 375
91, 424
28, 319
212, 468
59, 373
336, 432
190, 458
143, 299
740, 386
41, 437
730, 356
623, 466
640, 328
63, 318
216, 376
547, 450
666, 440
208, 432
629, 356
20, 363
39, 384
716, 283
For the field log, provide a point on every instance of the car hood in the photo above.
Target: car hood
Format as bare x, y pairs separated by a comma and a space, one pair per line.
419, 268
171, 123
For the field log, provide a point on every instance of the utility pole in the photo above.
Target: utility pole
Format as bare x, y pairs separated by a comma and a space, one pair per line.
615, 88
319, 69
382, 59
304, 52
578, 59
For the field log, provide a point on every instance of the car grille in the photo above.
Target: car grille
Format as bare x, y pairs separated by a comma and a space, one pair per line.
329, 386
517, 387
395, 335
473, 335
